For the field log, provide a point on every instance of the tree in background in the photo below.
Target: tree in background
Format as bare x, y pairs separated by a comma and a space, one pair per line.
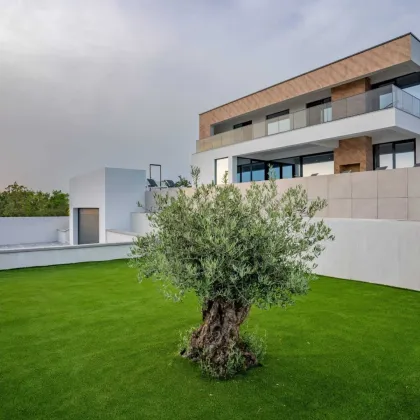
233, 251
19, 201
182, 182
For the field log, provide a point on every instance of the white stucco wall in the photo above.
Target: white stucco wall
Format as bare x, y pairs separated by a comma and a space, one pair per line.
140, 223
29, 230
119, 236
375, 251
38, 257
114, 191
87, 191
415, 50
123, 189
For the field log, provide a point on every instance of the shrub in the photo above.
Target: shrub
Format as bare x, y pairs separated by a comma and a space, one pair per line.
19, 201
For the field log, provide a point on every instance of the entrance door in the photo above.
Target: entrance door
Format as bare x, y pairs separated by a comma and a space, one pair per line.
88, 226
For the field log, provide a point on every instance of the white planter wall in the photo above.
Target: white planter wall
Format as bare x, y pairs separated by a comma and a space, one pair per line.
116, 236
28, 230
140, 223
37, 257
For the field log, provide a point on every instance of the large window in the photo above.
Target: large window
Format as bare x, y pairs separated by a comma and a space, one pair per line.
409, 83
319, 111
395, 155
289, 167
278, 122
221, 167
322, 164
251, 170
257, 170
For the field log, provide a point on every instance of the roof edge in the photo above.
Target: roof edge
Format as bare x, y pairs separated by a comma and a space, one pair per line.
315, 69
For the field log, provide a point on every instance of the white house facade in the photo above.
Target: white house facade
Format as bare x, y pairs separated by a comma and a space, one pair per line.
357, 114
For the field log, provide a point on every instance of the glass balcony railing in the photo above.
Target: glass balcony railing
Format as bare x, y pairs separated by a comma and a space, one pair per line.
373, 100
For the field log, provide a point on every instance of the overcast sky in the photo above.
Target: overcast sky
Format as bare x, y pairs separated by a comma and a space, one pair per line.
92, 83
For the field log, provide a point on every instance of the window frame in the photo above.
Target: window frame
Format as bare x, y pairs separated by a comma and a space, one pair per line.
399, 81
277, 114
251, 162
242, 124
376, 154
215, 168
296, 173
318, 102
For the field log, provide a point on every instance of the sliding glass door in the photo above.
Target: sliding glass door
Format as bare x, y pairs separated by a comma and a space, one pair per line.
401, 154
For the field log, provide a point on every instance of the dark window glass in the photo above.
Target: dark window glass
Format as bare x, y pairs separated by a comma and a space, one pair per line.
287, 171
404, 155
277, 114
410, 83
409, 80
319, 102
243, 124
404, 147
384, 149
319, 111
258, 171
243, 161
246, 173
327, 157
395, 155
276, 170
290, 167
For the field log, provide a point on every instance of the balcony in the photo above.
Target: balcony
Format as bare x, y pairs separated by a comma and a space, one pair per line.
385, 97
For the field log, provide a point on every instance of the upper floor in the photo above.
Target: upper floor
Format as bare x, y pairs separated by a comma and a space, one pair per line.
382, 77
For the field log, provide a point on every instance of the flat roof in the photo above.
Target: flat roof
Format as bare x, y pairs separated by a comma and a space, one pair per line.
310, 71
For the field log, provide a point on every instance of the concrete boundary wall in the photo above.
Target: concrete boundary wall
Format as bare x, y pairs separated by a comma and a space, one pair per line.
374, 251
38, 257
27, 230
391, 194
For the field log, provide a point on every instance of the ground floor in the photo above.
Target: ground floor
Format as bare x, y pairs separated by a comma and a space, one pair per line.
382, 151
388, 155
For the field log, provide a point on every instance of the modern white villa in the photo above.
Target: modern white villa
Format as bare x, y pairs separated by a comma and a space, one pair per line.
360, 113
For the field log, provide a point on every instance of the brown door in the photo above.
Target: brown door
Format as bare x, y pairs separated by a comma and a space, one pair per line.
354, 167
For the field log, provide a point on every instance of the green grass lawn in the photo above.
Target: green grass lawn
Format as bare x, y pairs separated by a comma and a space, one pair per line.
87, 341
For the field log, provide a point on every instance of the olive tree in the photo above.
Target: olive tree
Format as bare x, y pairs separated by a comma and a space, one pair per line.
233, 250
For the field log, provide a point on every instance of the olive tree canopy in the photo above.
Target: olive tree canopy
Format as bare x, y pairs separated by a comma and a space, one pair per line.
233, 250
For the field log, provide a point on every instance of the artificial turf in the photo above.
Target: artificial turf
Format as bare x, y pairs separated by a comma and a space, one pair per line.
87, 341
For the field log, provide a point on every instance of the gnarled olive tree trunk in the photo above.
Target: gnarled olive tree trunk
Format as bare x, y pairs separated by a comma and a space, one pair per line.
217, 340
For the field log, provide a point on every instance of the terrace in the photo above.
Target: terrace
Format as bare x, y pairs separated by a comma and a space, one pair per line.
379, 99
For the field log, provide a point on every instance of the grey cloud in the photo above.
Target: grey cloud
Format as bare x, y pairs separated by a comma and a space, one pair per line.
85, 84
